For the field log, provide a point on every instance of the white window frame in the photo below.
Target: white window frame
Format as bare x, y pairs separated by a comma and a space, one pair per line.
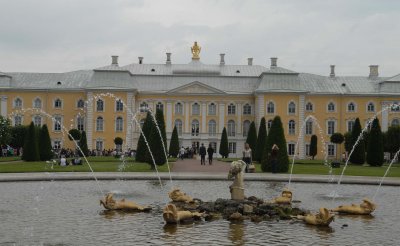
328, 127
232, 147
231, 109
212, 109
98, 125
119, 105
78, 119
103, 105
20, 104
334, 107
35, 117
143, 107
179, 126
368, 108
20, 119
212, 128
273, 110
179, 108
291, 147
331, 149
292, 127
289, 108
246, 128
231, 128
78, 103
309, 127
312, 107
196, 108
247, 109
34, 103
195, 128
119, 124
354, 110
55, 104
57, 124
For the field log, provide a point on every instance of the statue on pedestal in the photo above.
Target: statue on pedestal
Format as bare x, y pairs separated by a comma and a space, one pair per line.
195, 51
236, 172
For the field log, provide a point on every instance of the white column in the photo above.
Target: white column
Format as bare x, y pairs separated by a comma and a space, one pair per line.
239, 119
187, 113
4, 106
385, 116
221, 113
169, 117
203, 117
89, 120
301, 146
129, 119
260, 109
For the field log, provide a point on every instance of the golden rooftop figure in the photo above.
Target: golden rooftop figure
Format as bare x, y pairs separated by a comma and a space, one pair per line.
195, 51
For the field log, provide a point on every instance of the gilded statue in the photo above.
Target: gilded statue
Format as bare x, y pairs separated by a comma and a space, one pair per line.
109, 203
236, 172
177, 195
323, 218
285, 198
365, 208
171, 215
195, 51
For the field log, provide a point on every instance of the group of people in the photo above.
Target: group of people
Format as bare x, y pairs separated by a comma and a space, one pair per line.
187, 152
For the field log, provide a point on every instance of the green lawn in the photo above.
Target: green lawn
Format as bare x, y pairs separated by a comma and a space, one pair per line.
10, 158
98, 166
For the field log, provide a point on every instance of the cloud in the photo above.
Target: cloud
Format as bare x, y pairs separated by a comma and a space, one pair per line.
307, 36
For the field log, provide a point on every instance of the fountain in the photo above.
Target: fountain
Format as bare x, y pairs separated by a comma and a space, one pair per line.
365, 208
110, 204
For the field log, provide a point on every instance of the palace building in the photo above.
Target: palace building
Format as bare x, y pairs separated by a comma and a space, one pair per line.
199, 99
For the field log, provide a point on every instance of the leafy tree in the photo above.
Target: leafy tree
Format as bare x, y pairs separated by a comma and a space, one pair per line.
358, 156
83, 144
141, 149
337, 138
375, 145
156, 141
31, 147
118, 141
252, 138
261, 140
45, 149
5, 131
392, 140
276, 136
75, 133
223, 147
18, 134
313, 146
348, 139
174, 143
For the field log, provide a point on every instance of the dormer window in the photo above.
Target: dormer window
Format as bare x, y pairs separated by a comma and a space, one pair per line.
59, 83
237, 71
153, 70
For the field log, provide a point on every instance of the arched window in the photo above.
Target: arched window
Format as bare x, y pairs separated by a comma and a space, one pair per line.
178, 125
212, 109
371, 107
231, 128
292, 127
247, 109
292, 108
269, 124
246, 127
37, 103
196, 109
212, 128
231, 109
144, 107
270, 108
119, 105
160, 106
17, 120
80, 123
37, 120
331, 107
395, 122
99, 124
309, 107
195, 128
100, 105
58, 103
351, 107
179, 108
119, 124
18, 103
80, 104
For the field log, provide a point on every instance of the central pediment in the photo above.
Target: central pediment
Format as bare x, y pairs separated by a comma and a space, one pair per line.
196, 88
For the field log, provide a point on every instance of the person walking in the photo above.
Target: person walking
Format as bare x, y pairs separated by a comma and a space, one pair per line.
274, 158
210, 152
203, 153
247, 156
182, 153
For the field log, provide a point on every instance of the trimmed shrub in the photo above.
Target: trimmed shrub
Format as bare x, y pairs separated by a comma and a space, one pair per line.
75, 133
375, 155
156, 141
223, 147
313, 146
141, 149
261, 140
31, 147
83, 144
252, 138
358, 156
45, 149
174, 143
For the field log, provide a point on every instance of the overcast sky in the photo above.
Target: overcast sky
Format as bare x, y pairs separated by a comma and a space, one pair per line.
306, 36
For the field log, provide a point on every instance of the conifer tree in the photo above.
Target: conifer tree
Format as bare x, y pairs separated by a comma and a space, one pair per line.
174, 143
375, 145
358, 156
45, 149
83, 144
31, 147
276, 136
141, 149
252, 139
223, 147
313, 146
156, 141
261, 140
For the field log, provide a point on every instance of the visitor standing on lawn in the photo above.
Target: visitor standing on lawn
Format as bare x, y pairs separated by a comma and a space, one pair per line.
247, 156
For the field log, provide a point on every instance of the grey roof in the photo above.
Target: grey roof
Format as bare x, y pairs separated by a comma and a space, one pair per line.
394, 78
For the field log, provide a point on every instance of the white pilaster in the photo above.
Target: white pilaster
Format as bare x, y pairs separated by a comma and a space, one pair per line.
221, 122
301, 146
169, 117
4, 106
187, 113
239, 118
260, 109
130, 120
385, 116
203, 117
89, 119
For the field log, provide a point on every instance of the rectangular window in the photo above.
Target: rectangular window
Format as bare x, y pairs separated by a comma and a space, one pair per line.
350, 125
57, 123
309, 126
119, 106
331, 127
212, 109
56, 144
232, 147
291, 149
307, 149
80, 124
214, 146
331, 149
99, 145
